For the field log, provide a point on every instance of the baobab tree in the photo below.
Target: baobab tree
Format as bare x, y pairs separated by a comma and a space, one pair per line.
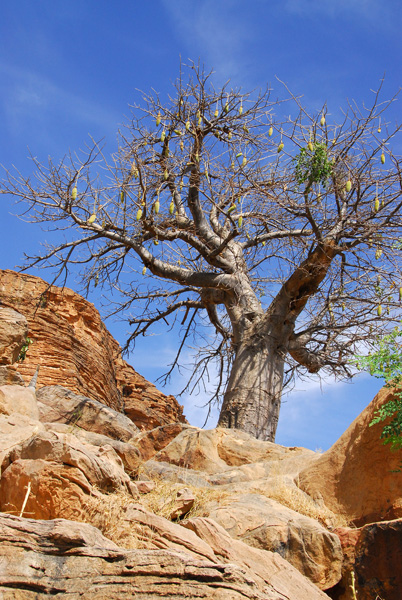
283, 234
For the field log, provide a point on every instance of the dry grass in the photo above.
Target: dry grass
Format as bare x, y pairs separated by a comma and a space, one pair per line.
293, 497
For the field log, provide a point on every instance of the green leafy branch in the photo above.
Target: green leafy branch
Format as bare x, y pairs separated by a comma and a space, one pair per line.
386, 363
313, 165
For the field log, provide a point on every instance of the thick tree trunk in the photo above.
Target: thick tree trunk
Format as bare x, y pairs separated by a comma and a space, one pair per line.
253, 396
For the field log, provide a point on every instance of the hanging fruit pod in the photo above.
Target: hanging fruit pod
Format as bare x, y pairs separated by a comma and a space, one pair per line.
231, 208
134, 170
379, 310
378, 253
280, 147
171, 208
181, 184
230, 135
158, 119
270, 131
187, 125
144, 270
157, 207
163, 135
156, 241
382, 158
74, 193
322, 121
244, 161
400, 294
122, 196
139, 214
310, 146
216, 113
91, 219
165, 175
240, 221
241, 109
239, 154
348, 185
376, 205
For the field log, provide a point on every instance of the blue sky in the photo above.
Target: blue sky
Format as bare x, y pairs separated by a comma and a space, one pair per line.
70, 69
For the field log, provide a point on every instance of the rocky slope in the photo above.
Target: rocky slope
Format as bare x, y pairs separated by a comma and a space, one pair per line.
92, 507
74, 349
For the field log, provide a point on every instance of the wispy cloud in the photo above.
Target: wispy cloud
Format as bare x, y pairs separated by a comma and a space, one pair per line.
366, 9
28, 96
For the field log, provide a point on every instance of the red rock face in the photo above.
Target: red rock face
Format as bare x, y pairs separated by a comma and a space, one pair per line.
75, 350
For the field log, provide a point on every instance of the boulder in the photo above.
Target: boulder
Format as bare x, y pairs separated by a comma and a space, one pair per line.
267, 568
63, 558
54, 461
264, 523
129, 454
10, 376
358, 461
149, 442
218, 450
15, 399
378, 561
13, 334
59, 405
15, 429
75, 350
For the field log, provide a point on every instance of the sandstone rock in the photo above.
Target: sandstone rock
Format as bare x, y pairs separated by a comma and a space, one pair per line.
99, 467
358, 461
15, 429
152, 441
75, 350
378, 561
55, 489
175, 474
13, 333
15, 399
145, 487
267, 568
67, 559
184, 502
217, 451
129, 454
59, 405
348, 538
10, 376
266, 524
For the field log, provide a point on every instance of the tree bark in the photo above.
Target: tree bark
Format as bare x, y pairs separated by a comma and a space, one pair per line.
253, 397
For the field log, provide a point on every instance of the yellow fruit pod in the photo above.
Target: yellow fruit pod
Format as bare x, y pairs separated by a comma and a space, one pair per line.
244, 161
239, 154
376, 205
310, 146
139, 214
322, 122
165, 175
199, 121
171, 208
226, 107
157, 207
144, 270
187, 125
379, 310
400, 294
231, 208
122, 196
230, 135
177, 131
158, 119
240, 221
378, 253
74, 193
91, 219
382, 158
163, 136
181, 145
281, 146
348, 185
241, 109
134, 170
216, 113
156, 241
379, 130
270, 131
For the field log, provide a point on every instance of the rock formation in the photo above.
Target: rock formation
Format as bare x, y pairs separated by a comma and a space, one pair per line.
94, 508
75, 350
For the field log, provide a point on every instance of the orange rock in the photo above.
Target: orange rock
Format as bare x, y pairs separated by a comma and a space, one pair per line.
75, 350
355, 476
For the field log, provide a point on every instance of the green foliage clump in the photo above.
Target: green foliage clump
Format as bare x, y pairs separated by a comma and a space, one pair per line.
386, 363
313, 165
24, 350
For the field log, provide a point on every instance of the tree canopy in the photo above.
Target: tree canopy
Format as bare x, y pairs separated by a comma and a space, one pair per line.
274, 241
